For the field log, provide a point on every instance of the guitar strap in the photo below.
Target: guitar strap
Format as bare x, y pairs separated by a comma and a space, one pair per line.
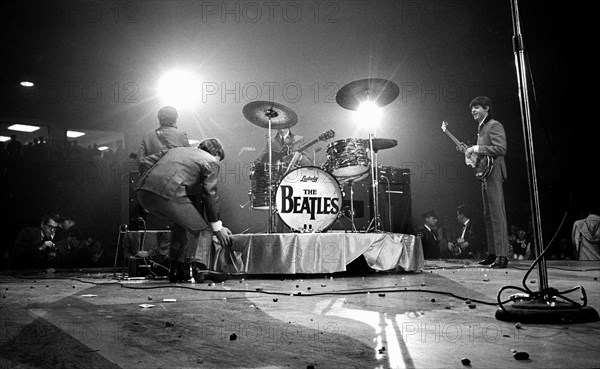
161, 137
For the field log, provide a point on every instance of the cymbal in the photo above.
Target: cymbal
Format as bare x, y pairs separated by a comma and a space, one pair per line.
380, 91
259, 112
383, 143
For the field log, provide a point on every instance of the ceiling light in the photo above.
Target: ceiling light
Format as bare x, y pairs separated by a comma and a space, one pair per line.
74, 134
23, 128
102, 148
4, 138
26, 84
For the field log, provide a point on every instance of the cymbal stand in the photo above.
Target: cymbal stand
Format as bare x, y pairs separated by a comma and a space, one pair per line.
270, 113
342, 213
375, 186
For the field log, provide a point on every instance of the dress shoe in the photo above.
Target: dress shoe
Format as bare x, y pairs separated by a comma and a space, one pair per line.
178, 272
488, 260
201, 273
500, 263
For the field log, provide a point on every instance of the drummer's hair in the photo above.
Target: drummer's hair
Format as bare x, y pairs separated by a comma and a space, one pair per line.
212, 146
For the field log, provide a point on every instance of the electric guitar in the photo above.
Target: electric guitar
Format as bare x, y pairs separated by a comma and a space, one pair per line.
288, 154
482, 164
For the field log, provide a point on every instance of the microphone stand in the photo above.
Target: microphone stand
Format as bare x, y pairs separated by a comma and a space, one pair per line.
541, 306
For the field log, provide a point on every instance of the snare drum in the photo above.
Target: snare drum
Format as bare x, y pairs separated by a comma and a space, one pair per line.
308, 198
348, 157
259, 177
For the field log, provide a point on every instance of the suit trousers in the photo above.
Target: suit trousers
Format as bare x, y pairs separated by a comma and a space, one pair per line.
186, 219
494, 215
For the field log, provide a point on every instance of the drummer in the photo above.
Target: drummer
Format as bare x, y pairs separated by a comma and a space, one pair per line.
283, 146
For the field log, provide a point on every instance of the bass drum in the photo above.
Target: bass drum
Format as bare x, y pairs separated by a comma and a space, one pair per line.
259, 178
308, 199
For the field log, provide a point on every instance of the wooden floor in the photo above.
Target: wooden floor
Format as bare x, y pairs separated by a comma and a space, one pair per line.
88, 319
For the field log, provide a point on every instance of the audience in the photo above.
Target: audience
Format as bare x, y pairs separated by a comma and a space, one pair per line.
521, 246
64, 175
562, 250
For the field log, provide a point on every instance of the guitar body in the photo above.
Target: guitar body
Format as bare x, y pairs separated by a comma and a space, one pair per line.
482, 164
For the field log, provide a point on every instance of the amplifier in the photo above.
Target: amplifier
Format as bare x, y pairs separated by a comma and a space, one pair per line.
142, 267
393, 175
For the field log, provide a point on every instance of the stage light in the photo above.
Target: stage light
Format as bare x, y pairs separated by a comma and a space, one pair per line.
74, 134
26, 84
368, 114
23, 128
179, 88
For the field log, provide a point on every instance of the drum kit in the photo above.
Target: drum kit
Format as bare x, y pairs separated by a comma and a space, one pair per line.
309, 198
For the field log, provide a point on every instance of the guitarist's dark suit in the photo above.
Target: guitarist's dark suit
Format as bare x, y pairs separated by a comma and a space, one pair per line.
282, 147
491, 140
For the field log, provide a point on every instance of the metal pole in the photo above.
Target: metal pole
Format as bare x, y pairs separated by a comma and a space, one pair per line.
270, 225
519, 51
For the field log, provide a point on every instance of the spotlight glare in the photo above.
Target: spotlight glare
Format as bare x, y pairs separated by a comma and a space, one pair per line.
368, 114
180, 89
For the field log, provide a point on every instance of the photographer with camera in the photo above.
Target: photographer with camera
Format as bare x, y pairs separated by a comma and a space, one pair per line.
34, 246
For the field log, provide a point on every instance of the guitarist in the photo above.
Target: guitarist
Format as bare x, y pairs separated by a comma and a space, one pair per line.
491, 140
283, 144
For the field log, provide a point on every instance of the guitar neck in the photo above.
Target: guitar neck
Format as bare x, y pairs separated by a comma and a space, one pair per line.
454, 139
308, 145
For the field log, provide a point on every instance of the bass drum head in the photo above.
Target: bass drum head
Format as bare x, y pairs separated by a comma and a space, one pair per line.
308, 197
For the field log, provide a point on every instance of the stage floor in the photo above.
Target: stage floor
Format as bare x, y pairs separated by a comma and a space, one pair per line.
88, 319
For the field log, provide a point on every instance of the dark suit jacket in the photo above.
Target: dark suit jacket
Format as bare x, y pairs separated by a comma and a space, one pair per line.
491, 140
475, 237
181, 172
26, 253
431, 245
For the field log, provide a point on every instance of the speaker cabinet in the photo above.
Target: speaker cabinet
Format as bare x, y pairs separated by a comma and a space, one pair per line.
395, 208
360, 193
136, 211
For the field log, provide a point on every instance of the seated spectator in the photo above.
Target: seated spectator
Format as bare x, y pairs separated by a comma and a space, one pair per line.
78, 250
429, 235
65, 224
563, 250
69, 250
34, 246
586, 237
468, 243
522, 246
